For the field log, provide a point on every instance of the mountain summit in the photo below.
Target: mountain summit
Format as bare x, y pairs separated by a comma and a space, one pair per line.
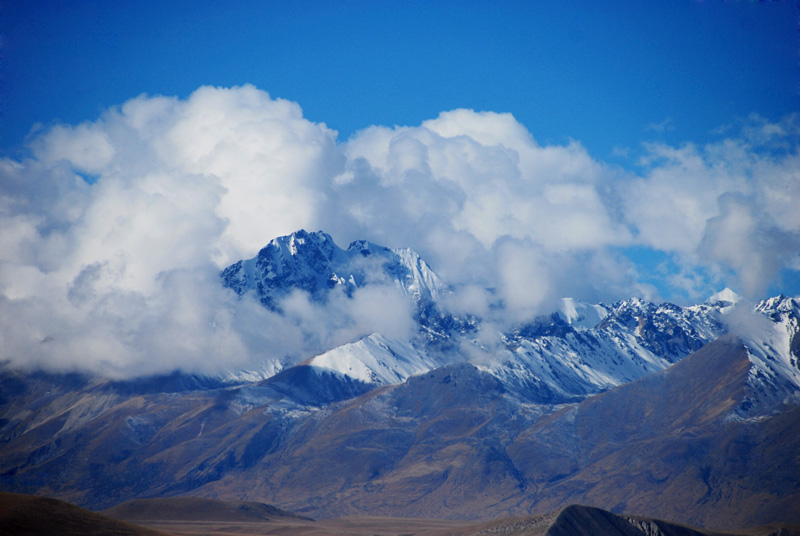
313, 263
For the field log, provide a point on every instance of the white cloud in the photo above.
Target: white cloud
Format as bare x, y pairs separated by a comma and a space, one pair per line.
741, 238
663, 126
273, 163
670, 205
729, 205
85, 147
456, 186
109, 273
527, 283
119, 274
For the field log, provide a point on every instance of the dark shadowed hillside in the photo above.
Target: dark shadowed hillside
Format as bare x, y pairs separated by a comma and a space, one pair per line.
26, 515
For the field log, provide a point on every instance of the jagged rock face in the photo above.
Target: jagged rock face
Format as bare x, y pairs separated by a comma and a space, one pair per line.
313, 263
556, 361
771, 338
794, 349
299, 261
666, 330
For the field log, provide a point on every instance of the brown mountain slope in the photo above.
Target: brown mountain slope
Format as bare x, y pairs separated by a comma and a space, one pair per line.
26, 515
449, 444
662, 447
452, 443
198, 509
432, 447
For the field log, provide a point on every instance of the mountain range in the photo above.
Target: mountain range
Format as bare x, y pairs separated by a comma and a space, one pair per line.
681, 413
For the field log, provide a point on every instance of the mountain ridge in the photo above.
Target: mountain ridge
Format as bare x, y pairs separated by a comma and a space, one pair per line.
579, 350
616, 405
317, 266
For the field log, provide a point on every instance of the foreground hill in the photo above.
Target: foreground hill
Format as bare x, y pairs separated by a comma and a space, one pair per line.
576, 520
37, 516
33, 516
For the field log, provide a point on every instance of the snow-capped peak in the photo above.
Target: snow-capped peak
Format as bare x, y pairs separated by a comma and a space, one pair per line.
581, 350
725, 296
312, 262
772, 337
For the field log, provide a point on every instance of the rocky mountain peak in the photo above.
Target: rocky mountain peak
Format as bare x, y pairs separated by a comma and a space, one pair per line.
724, 297
780, 306
313, 263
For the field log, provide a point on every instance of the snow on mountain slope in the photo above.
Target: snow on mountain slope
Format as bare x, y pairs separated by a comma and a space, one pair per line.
375, 360
725, 297
666, 331
556, 361
312, 262
772, 339
581, 315
267, 369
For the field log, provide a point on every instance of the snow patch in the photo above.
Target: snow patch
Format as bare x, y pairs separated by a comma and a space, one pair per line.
581, 315
375, 359
725, 296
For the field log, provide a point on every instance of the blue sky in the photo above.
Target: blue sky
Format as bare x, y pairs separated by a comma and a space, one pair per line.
609, 74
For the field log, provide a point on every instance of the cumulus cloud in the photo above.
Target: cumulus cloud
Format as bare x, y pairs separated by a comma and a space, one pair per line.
118, 273
729, 206
114, 231
457, 188
494, 179
754, 248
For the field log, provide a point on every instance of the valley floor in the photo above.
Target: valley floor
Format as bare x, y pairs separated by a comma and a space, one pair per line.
30, 515
542, 525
